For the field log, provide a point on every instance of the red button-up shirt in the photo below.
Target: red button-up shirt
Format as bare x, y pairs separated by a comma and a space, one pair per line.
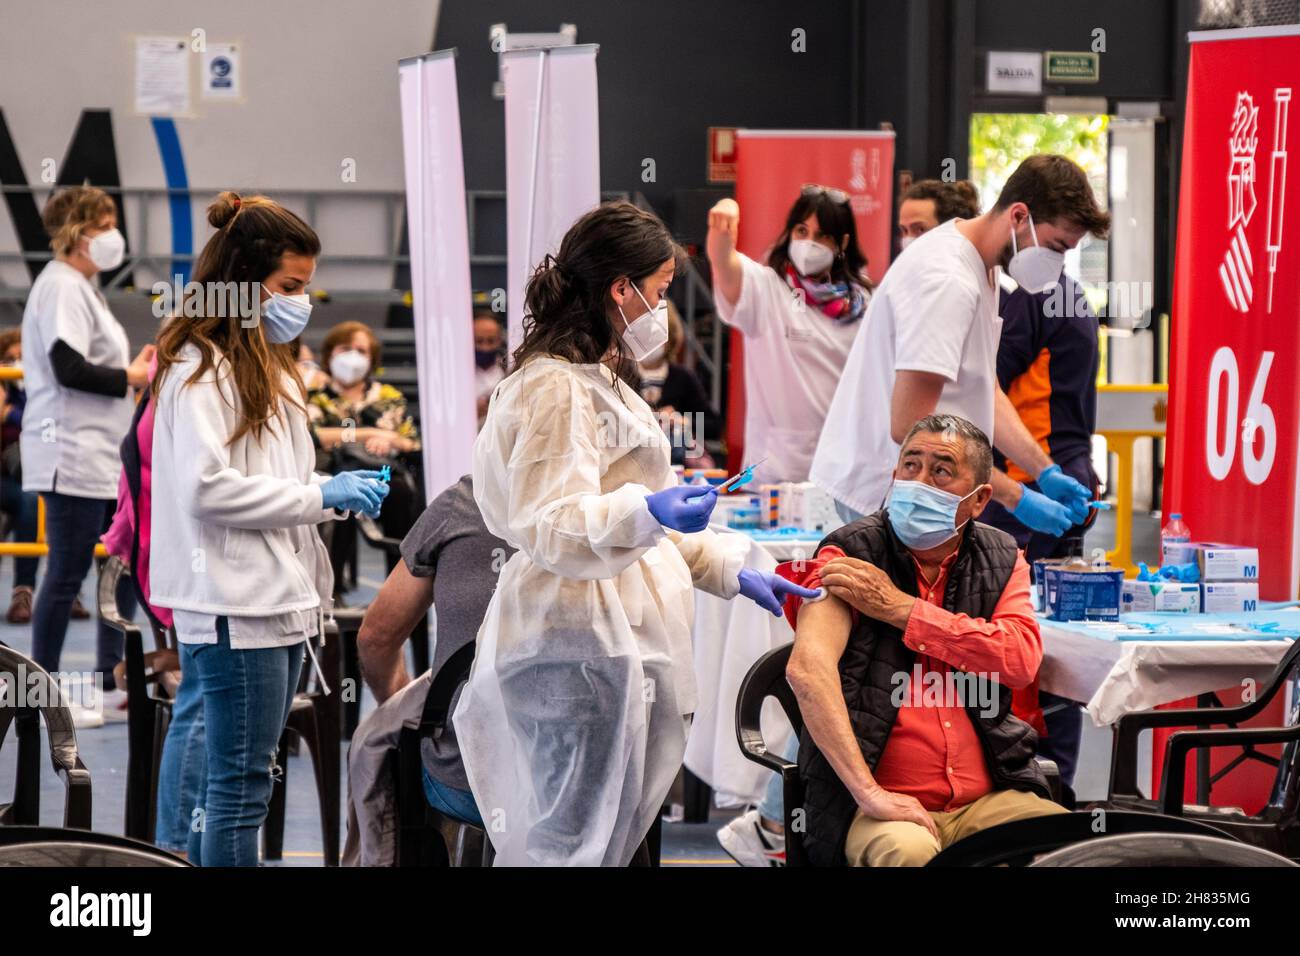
933, 752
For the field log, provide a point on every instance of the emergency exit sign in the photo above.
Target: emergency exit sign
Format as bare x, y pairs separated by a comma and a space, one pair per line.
1061, 67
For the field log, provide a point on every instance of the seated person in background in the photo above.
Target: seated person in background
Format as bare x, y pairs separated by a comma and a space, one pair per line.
489, 358
352, 406
904, 671
308, 367
450, 562
360, 422
674, 391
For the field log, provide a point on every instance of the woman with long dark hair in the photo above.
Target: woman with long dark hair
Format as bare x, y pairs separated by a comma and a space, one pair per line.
573, 723
235, 501
799, 314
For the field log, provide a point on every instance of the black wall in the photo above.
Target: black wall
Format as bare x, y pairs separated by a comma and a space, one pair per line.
667, 72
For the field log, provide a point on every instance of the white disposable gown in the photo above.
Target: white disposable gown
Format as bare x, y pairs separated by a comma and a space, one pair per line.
573, 723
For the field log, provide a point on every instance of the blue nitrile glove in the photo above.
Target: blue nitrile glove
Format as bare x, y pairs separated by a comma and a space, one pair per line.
1064, 490
684, 508
769, 590
1186, 573
362, 491
1042, 513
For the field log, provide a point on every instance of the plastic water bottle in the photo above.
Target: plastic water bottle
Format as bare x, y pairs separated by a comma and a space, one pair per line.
1174, 538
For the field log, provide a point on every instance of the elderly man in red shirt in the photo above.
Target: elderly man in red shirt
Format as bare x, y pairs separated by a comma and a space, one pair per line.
904, 671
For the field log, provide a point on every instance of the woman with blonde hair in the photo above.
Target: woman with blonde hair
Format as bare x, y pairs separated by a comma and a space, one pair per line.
78, 372
235, 553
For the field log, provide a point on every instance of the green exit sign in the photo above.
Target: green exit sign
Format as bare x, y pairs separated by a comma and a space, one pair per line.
1059, 67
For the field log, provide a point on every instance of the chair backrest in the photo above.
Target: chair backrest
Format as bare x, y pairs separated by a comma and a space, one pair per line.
58, 846
765, 679
114, 570
1286, 787
437, 703
28, 681
1017, 842
1161, 849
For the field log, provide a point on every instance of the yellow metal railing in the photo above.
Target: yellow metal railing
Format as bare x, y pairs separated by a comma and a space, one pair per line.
1126, 413
37, 549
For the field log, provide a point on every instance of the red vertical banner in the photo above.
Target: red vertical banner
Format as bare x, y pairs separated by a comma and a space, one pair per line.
771, 167
1234, 370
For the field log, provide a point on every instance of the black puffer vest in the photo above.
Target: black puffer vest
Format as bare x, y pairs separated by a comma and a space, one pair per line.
876, 653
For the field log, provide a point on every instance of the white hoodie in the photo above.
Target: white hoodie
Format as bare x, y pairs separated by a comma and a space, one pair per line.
233, 523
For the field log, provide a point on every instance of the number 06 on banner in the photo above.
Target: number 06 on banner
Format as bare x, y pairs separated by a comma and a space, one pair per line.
1258, 432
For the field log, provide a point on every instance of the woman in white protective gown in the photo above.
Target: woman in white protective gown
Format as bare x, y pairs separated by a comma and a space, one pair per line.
573, 723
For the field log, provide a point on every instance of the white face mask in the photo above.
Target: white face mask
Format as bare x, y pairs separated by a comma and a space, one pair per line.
1034, 268
654, 358
809, 257
648, 332
107, 250
348, 368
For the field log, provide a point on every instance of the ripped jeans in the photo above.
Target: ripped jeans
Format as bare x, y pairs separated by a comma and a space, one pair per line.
246, 699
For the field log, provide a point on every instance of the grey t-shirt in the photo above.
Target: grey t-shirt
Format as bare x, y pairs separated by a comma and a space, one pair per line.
450, 544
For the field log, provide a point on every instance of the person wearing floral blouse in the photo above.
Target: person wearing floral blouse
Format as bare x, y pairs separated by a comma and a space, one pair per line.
352, 406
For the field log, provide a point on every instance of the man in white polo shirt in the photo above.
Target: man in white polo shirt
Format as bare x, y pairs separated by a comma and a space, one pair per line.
930, 342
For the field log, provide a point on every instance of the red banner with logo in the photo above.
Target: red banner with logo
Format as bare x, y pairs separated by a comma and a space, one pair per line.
1234, 378
771, 166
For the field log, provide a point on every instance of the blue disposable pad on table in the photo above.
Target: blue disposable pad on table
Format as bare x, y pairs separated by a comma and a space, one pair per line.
1153, 626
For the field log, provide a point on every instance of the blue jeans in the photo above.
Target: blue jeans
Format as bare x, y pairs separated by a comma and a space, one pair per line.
773, 805
1064, 719
246, 699
23, 506
72, 529
451, 801
181, 769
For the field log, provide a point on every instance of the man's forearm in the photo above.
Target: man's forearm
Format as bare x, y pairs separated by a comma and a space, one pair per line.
383, 668
821, 703
1006, 491
1012, 438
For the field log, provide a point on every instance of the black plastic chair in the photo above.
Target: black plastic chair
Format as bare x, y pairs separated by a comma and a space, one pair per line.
1276, 827
1161, 849
55, 846
767, 679
1018, 842
148, 702
314, 718
25, 809
426, 837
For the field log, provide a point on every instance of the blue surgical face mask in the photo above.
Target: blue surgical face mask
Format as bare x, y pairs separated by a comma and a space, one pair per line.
922, 515
285, 316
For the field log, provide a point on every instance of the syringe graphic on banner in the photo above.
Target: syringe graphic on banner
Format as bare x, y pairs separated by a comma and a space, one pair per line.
1277, 184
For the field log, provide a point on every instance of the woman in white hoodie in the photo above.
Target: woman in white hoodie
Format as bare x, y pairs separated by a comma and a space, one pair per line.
235, 552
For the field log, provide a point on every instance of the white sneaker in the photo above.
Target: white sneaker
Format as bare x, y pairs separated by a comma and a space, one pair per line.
749, 844
113, 705
86, 717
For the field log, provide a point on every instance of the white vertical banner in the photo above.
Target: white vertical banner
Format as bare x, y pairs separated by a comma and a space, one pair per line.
440, 277
552, 157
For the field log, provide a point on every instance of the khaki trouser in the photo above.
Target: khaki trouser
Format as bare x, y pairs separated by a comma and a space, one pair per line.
902, 843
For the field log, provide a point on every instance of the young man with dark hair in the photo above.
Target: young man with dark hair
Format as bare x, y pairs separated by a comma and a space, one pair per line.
930, 344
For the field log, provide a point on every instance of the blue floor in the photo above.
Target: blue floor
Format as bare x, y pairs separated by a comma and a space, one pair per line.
104, 749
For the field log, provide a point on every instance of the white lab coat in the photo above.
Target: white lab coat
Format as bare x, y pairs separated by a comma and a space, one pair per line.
573, 723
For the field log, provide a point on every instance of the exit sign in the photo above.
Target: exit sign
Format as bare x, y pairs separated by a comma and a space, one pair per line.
1061, 67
